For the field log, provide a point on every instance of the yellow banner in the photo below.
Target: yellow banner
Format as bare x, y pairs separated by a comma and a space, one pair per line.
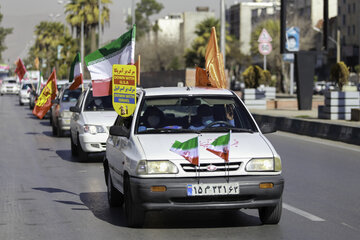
45, 94
124, 89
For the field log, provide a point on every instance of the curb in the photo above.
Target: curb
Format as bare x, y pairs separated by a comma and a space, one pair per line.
334, 132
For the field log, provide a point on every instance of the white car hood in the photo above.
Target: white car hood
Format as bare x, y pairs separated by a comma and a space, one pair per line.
243, 145
103, 118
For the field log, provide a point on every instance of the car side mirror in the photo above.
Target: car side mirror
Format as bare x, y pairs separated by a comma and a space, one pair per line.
120, 131
267, 128
75, 109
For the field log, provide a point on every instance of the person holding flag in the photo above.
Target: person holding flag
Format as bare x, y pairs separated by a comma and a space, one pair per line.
76, 75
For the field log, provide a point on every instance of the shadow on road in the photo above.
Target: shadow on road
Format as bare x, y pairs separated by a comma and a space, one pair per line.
98, 205
48, 133
66, 156
52, 190
45, 123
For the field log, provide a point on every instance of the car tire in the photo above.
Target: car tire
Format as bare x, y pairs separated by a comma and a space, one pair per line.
54, 130
271, 215
74, 151
115, 198
59, 132
83, 156
133, 212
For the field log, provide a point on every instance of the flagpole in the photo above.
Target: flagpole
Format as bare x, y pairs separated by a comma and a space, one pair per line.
82, 51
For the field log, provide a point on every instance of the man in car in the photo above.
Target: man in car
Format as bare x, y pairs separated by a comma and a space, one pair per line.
203, 118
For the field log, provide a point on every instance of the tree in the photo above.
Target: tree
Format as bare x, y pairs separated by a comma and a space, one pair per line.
143, 11
50, 35
195, 56
339, 73
87, 11
254, 76
159, 55
3, 33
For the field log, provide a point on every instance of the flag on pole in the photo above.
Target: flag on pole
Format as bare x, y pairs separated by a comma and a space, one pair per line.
201, 78
221, 147
188, 150
214, 62
100, 62
20, 69
43, 103
76, 75
137, 65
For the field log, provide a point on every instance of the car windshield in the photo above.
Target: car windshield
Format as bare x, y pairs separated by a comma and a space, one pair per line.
98, 103
28, 86
193, 114
71, 95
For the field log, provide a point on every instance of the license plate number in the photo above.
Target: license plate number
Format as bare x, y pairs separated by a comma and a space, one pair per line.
213, 189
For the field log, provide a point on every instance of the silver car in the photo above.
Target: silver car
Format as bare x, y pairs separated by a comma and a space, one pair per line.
142, 172
60, 111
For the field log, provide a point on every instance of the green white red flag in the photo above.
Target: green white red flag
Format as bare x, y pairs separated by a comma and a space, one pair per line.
100, 62
188, 150
221, 146
76, 75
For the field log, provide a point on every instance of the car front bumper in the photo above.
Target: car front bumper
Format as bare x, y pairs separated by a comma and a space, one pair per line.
175, 197
93, 142
24, 100
64, 123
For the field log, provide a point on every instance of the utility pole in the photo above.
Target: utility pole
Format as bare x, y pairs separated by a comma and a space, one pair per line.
99, 37
133, 12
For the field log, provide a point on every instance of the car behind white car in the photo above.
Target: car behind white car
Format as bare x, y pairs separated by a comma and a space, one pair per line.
90, 123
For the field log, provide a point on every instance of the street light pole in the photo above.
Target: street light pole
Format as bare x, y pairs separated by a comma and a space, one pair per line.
99, 37
133, 12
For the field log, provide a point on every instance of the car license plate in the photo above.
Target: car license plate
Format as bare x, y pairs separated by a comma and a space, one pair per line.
213, 189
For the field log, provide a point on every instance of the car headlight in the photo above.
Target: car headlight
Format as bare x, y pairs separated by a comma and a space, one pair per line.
260, 165
156, 167
66, 114
94, 129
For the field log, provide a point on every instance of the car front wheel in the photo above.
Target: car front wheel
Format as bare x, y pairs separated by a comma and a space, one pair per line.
73, 147
271, 215
115, 198
81, 153
134, 213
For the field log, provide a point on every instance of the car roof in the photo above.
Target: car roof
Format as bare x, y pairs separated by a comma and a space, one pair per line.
171, 91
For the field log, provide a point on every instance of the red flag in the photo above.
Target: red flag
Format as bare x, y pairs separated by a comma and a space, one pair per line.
43, 104
20, 69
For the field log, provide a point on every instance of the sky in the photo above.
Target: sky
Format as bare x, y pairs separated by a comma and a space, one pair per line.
24, 15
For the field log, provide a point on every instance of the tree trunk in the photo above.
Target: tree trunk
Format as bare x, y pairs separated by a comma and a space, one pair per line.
93, 39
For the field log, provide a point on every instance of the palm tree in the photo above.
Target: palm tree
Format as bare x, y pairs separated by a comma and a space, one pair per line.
87, 11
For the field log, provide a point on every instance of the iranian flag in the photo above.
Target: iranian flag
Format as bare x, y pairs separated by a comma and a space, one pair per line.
188, 150
20, 69
76, 73
100, 62
220, 147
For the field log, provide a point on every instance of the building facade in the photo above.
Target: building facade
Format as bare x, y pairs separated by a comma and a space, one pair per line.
243, 17
349, 24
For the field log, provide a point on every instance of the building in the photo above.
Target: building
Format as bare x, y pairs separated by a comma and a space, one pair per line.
180, 28
244, 16
349, 25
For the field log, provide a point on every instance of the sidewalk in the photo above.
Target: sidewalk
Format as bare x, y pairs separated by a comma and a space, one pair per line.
305, 122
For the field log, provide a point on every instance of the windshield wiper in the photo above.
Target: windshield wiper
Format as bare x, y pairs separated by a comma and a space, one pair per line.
227, 128
170, 130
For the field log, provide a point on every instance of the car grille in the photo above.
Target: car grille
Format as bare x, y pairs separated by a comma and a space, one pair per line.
103, 145
220, 167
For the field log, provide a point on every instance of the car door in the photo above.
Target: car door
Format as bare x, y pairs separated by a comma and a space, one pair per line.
76, 116
115, 152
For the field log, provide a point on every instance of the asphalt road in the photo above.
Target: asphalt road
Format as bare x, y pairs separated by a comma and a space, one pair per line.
47, 194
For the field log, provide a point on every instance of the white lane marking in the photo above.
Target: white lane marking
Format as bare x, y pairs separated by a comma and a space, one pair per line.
303, 213
322, 141
82, 171
349, 226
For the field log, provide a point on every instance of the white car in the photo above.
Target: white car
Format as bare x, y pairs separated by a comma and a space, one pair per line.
24, 93
9, 86
141, 171
90, 123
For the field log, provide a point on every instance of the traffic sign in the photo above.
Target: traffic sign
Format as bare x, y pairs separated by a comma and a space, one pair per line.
265, 48
264, 37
